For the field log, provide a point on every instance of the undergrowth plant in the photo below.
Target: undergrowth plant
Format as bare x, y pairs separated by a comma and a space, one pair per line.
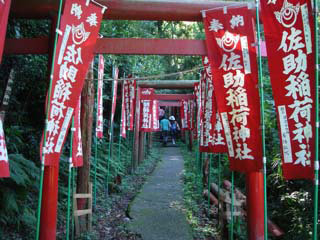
194, 203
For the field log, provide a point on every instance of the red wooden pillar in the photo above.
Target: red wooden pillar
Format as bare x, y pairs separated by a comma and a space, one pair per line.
49, 205
255, 205
49, 202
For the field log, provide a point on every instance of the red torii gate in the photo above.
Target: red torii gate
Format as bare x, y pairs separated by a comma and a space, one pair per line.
169, 10
139, 135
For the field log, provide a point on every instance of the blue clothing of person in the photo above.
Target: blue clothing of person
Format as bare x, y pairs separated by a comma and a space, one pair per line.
164, 124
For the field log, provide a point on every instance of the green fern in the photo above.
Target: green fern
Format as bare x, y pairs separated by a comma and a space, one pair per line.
16, 201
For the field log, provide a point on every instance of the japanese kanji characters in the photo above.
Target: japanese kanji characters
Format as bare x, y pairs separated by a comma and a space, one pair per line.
149, 108
212, 135
215, 25
146, 114
76, 10
129, 101
74, 54
289, 42
114, 93
234, 72
123, 126
99, 116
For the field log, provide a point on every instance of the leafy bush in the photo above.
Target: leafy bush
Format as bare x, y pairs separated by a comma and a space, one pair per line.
16, 201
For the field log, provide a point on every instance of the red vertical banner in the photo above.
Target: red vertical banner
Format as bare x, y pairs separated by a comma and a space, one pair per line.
114, 93
132, 94
155, 116
209, 116
191, 114
78, 32
4, 161
77, 154
149, 111
123, 112
99, 117
4, 14
127, 103
289, 34
130, 99
231, 50
198, 106
219, 144
202, 101
184, 115
216, 143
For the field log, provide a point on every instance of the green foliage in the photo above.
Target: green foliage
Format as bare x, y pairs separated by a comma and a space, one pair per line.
16, 193
194, 203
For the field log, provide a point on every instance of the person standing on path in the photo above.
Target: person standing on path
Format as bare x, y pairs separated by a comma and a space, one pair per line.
165, 126
161, 113
174, 128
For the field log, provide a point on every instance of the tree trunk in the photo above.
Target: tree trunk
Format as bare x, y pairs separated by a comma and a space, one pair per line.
205, 169
87, 103
136, 131
190, 140
141, 147
150, 141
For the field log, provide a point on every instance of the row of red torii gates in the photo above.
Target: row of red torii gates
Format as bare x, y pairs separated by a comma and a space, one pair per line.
153, 10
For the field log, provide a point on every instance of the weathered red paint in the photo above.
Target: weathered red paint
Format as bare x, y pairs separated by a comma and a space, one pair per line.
168, 97
134, 46
115, 46
26, 46
141, 46
169, 104
49, 203
169, 10
255, 205
167, 84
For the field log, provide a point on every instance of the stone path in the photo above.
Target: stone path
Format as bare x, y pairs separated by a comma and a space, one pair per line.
156, 212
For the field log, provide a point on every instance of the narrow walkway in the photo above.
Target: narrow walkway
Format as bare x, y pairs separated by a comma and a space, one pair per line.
156, 212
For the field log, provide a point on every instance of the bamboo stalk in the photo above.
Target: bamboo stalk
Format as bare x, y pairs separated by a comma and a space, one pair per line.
219, 183
232, 205
209, 180
46, 123
110, 141
262, 121
95, 152
72, 206
69, 181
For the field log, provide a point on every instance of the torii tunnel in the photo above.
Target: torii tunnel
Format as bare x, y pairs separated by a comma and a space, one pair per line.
166, 10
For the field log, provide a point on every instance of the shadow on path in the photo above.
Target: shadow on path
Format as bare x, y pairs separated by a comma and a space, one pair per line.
156, 212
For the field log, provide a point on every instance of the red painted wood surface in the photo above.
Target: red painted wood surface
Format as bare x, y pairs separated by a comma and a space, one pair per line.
255, 205
142, 46
49, 203
27, 46
169, 97
134, 46
169, 104
169, 10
